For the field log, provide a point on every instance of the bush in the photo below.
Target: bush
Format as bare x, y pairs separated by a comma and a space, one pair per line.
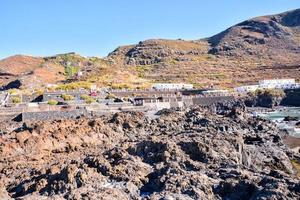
39, 92
16, 99
120, 86
52, 102
12, 91
110, 96
84, 96
67, 97
88, 99
71, 71
74, 86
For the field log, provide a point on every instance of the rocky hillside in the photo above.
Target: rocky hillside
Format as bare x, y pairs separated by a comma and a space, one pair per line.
27, 71
185, 154
36, 72
274, 37
262, 47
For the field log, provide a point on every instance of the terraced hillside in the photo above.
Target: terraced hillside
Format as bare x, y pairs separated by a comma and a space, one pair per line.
262, 47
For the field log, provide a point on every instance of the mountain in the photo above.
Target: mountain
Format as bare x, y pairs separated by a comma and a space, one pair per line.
36, 72
262, 47
27, 71
258, 48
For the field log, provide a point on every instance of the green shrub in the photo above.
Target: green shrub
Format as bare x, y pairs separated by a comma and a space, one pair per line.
16, 99
84, 96
75, 86
39, 92
52, 102
120, 86
110, 96
142, 70
12, 91
67, 97
71, 71
88, 99
126, 98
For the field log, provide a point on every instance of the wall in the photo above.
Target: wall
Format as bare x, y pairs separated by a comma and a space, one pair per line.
97, 111
158, 105
206, 101
30, 98
2, 97
7, 117
57, 95
52, 115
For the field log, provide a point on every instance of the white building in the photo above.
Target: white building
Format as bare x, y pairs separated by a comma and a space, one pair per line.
93, 87
269, 84
246, 88
50, 85
213, 92
277, 84
79, 74
171, 86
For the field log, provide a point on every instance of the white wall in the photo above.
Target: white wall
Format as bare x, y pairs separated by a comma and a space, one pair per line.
277, 82
171, 86
247, 88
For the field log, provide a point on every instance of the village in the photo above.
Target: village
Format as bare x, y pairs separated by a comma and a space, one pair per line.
92, 102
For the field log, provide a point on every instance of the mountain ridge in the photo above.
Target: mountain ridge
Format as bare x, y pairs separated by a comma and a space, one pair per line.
258, 48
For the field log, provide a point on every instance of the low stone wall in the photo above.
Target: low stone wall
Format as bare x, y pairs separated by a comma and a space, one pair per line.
2, 97
58, 95
31, 98
7, 117
158, 105
98, 111
11, 110
188, 102
52, 115
206, 101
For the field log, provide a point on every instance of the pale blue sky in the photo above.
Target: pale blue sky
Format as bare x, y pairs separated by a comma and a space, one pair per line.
96, 27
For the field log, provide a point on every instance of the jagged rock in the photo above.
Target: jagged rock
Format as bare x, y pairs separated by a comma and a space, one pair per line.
215, 152
289, 118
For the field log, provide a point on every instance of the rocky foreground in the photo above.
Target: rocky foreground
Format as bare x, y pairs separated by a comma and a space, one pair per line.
196, 153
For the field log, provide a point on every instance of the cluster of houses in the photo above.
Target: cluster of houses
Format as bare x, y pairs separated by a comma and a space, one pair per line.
159, 92
269, 84
263, 84
96, 101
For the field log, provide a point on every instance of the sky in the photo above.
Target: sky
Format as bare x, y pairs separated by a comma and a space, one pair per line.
97, 27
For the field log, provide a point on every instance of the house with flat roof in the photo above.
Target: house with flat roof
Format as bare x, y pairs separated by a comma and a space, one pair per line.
270, 84
172, 86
